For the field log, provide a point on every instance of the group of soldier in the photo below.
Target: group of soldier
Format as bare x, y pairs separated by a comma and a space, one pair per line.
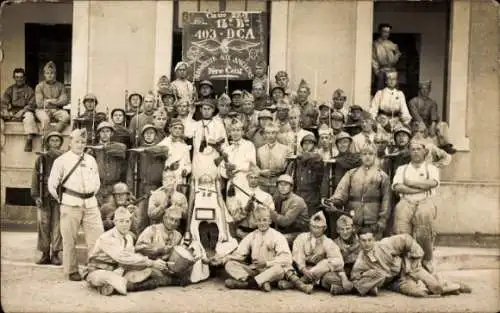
317, 194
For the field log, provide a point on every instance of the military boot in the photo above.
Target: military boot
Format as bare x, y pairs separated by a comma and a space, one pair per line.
299, 284
164, 281
235, 284
284, 284
148, 284
106, 290
45, 259
55, 260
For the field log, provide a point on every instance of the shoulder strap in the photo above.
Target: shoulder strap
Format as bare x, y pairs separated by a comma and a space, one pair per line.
65, 179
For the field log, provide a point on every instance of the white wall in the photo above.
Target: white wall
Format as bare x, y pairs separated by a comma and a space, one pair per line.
431, 22
12, 33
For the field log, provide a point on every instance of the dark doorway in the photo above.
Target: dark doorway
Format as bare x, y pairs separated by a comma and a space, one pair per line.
408, 66
48, 43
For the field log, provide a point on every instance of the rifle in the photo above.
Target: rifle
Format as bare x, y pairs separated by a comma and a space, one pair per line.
138, 157
126, 100
332, 164
326, 203
41, 174
93, 127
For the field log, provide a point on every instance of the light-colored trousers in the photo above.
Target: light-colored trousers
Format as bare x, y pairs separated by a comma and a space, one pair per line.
416, 218
49, 232
44, 116
72, 217
241, 271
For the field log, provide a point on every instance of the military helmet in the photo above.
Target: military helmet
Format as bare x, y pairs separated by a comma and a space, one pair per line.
308, 137
343, 135
90, 96
285, 178
104, 125
120, 188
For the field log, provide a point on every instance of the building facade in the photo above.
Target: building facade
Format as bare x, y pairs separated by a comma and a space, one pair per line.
128, 45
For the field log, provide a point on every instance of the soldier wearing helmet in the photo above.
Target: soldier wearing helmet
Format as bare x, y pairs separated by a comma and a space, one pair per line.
290, 217
120, 197
111, 161
294, 135
308, 110
49, 234
144, 118
90, 117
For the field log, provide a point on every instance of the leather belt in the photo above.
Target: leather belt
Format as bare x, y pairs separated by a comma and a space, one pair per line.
388, 113
246, 229
78, 194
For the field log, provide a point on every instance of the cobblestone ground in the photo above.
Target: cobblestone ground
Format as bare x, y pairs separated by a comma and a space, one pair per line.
27, 288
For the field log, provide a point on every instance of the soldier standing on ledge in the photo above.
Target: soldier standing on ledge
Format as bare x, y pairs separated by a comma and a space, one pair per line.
386, 55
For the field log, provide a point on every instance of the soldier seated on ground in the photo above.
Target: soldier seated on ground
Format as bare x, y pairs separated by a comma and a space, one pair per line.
269, 253
114, 266
157, 242
121, 197
164, 197
290, 216
318, 260
396, 263
348, 242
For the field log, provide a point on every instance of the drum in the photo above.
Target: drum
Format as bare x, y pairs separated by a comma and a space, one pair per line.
182, 260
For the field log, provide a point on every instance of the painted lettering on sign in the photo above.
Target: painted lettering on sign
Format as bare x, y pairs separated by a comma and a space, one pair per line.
222, 45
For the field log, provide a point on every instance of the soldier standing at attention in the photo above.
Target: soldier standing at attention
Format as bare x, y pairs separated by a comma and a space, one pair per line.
77, 173
49, 234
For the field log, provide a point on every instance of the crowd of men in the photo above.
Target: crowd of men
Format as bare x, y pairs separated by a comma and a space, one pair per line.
326, 194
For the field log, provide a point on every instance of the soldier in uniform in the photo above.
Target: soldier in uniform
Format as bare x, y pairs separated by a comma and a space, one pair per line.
281, 116
261, 99
50, 98
272, 159
385, 55
337, 123
145, 117
120, 131
293, 137
206, 93
121, 197
424, 109
145, 172
49, 234
396, 263
260, 76
242, 209
224, 110
277, 93
367, 135
111, 161
318, 259
236, 100
348, 242
291, 216
326, 149
308, 111
18, 102
435, 155
324, 116
265, 119
160, 121
135, 100
307, 171
339, 104
184, 114
184, 89
114, 265
391, 101
354, 118
78, 175
269, 254
168, 98
157, 242
416, 183
90, 119
366, 191
282, 80
178, 160
250, 115
164, 197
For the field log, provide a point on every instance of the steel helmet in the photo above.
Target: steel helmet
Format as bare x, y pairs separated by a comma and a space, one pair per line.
104, 125
120, 188
285, 178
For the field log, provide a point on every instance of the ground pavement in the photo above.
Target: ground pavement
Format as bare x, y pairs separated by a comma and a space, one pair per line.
30, 288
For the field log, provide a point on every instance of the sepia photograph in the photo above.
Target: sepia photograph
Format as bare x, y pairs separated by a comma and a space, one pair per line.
249, 156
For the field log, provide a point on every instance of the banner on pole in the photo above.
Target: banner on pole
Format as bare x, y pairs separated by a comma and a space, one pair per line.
220, 45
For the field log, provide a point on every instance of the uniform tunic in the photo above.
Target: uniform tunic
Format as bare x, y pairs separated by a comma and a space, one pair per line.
393, 103
308, 114
424, 109
75, 211
111, 163
142, 119
50, 90
272, 157
184, 90
258, 138
291, 217
271, 247
178, 151
320, 255
160, 201
395, 257
113, 255
157, 235
367, 192
349, 249
121, 134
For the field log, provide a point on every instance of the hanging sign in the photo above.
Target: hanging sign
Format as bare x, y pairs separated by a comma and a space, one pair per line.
223, 45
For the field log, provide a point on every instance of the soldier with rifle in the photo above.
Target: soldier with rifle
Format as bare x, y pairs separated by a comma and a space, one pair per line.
111, 161
145, 171
133, 105
90, 119
49, 234
120, 131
